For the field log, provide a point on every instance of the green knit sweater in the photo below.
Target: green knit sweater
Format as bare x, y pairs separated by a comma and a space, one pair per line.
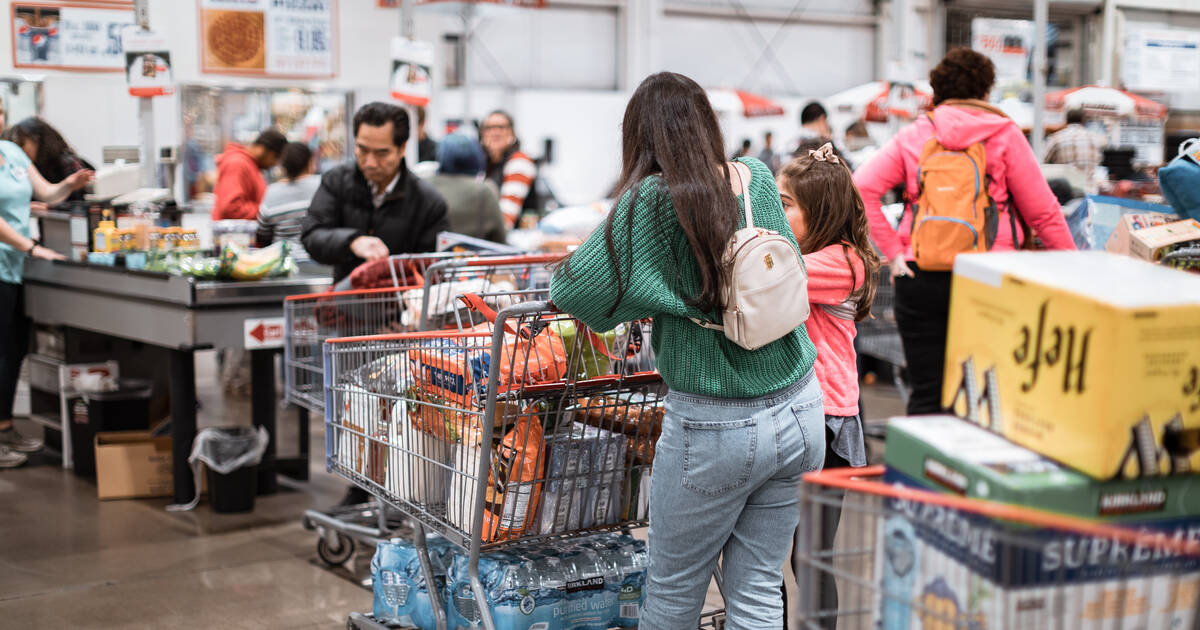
690, 358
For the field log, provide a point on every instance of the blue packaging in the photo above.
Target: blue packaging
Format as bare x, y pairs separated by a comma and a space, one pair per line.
591, 584
401, 594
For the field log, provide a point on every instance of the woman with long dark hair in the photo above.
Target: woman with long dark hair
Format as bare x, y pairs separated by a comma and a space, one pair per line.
48, 150
741, 426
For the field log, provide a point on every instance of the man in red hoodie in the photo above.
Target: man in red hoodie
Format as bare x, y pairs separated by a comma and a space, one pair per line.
240, 184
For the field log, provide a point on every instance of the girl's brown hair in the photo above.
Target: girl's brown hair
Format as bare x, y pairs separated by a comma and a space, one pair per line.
834, 213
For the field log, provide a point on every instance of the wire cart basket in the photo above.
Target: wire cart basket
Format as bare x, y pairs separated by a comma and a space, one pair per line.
905, 558
421, 296
521, 426
878, 335
418, 284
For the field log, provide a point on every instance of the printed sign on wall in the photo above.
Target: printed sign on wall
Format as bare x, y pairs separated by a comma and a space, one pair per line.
284, 38
147, 63
412, 71
1158, 60
68, 36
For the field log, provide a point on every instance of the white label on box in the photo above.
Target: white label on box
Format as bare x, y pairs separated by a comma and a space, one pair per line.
263, 332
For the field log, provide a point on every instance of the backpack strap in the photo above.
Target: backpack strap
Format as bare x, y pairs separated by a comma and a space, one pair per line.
745, 184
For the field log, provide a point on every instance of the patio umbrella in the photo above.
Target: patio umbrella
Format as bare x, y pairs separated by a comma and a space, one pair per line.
726, 100
872, 101
1105, 100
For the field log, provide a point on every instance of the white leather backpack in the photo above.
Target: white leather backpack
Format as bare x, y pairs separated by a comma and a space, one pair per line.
766, 288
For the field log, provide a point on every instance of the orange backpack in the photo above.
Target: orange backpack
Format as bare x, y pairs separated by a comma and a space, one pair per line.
953, 212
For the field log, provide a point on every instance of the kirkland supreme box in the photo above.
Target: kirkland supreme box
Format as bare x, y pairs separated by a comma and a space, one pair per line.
1089, 358
948, 454
133, 464
977, 570
924, 583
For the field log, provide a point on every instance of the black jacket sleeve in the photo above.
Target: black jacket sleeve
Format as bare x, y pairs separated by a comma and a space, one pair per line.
325, 238
437, 219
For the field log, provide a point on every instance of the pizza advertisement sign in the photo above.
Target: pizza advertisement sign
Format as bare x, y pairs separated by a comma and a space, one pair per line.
69, 36
529, 4
147, 63
274, 38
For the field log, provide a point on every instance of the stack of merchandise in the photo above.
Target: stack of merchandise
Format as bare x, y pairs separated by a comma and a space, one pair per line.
1160, 238
1085, 367
592, 583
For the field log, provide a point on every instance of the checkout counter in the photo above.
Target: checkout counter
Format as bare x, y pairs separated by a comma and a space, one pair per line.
181, 315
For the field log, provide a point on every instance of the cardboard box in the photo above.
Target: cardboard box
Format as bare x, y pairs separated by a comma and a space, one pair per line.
951, 455
1088, 358
924, 582
1120, 241
1154, 242
132, 464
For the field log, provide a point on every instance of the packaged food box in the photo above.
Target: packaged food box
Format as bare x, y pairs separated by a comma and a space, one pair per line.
1089, 358
1154, 242
1121, 240
948, 454
930, 577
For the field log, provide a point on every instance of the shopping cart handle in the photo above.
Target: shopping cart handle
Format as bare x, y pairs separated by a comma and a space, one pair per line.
476, 303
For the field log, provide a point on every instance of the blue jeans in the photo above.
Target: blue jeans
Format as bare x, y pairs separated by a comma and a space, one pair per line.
724, 481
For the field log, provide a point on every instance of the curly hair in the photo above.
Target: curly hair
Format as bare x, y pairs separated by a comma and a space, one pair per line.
962, 73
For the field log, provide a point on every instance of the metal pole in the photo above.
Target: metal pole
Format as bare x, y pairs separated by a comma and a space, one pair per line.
147, 158
411, 154
1108, 44
468, 18
1041, 15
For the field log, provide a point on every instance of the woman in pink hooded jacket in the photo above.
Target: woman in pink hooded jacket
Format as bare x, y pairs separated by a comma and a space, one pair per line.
961, 118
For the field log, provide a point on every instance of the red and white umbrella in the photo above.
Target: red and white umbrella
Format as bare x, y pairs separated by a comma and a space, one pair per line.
1094, 99
879, 101
728, 101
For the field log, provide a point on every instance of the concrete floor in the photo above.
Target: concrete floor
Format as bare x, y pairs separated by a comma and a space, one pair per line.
68, 560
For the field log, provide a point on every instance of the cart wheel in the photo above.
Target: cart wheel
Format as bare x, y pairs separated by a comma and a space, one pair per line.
337, 555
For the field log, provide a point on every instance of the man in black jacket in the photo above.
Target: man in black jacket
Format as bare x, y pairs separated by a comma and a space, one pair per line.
373, 207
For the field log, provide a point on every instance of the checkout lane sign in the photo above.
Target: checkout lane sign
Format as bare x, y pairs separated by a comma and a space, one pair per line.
263, 332
147, 63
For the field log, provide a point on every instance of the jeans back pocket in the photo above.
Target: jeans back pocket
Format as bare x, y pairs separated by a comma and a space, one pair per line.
718, 456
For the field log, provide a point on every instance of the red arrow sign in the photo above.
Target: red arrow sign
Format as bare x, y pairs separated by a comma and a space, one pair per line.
259, 333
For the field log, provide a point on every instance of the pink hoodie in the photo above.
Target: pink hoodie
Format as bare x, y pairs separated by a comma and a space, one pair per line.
829, 283
1011, 165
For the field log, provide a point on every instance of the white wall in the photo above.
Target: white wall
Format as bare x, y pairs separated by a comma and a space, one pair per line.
561, 71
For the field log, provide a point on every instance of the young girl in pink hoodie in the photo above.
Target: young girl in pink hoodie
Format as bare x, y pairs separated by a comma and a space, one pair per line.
827, 215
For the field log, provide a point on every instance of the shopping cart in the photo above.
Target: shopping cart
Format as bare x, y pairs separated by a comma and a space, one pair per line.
400, 307
878, 336
908, 558
479, 435
495, 276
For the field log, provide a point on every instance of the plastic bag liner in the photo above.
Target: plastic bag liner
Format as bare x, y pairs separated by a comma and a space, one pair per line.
223, 450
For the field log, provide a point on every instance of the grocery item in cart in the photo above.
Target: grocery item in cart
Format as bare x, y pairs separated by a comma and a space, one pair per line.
590, 584
513, 487
584, 480
1089, 358
635, 415
418, 462
401, 592
948, 454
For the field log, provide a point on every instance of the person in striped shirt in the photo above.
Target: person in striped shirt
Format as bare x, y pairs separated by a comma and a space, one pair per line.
508, 168
286, 203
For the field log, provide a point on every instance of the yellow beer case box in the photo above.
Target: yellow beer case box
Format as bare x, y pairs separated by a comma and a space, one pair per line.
1089, 358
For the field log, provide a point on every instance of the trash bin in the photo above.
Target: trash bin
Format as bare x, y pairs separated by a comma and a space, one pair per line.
231, 455
125, 409
233, 492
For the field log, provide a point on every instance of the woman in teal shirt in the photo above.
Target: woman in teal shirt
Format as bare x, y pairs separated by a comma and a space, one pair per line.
19, 181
